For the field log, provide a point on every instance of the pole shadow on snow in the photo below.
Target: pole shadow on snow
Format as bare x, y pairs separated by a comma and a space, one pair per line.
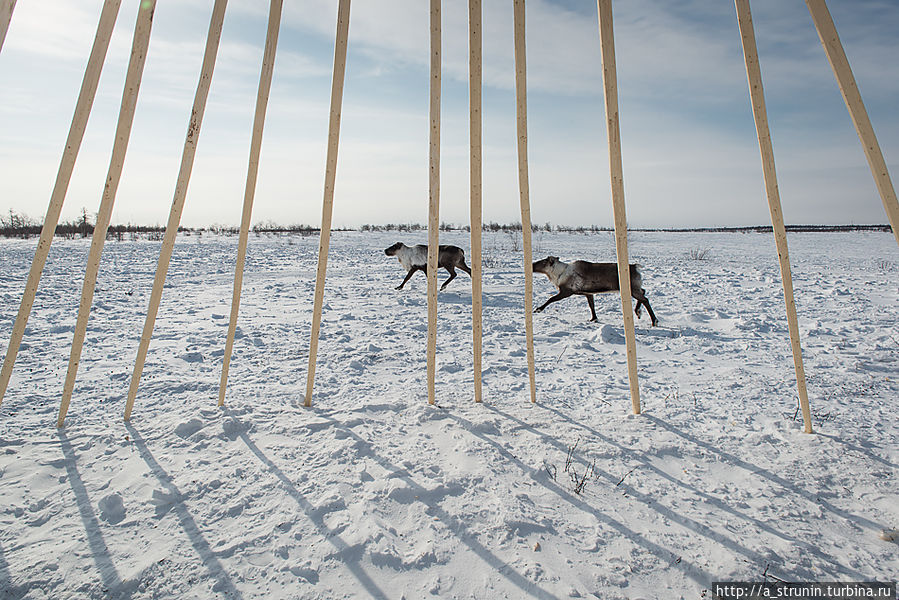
860, 449
99, 551
672, 559
706, 498
454, 525
855, 520
316, 516
7, 589
188, 524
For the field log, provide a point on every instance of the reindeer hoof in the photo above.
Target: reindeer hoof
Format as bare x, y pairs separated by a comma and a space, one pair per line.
399, 287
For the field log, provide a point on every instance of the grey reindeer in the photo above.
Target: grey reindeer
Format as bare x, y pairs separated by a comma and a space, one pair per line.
415, 258
587, 278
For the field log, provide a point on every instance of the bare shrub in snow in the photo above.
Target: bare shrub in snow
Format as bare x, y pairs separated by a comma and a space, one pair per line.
514, 240
699, 253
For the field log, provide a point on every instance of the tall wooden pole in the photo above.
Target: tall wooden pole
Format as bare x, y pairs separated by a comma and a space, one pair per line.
475, 120
187, 162
610, 85
760, 114
6, 8
63, 177
853, 98
434, 197
340, 48
521, 109
139, 48
265, 86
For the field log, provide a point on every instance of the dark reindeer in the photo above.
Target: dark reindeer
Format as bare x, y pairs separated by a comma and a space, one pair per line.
415, 258
587, 278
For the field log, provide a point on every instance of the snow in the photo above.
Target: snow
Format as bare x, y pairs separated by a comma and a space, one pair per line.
372, 493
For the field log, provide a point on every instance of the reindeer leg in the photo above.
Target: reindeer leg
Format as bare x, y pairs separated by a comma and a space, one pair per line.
652, 315
641, 300
560, 296
638, 295
452, 276
408, 277
592, 308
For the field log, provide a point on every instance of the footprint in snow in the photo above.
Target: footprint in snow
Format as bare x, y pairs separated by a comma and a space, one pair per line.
610, 335
185, 430
112, 509
164, 501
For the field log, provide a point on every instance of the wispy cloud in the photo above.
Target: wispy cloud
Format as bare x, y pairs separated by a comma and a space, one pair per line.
690, 153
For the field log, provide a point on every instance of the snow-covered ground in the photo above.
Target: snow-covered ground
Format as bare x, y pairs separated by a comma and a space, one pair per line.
372, 493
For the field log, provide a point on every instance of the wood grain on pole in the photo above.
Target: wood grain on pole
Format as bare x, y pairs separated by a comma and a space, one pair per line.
187, 161
6, 8
760, 114
340, 49
475, 128
610, 85
265, 86
434, 198
827, 31
133, 77
521, 109
63, 177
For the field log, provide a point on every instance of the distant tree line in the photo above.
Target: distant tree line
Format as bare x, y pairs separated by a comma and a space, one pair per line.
15, 224
272, 227
492, 226
770, 229
548, 227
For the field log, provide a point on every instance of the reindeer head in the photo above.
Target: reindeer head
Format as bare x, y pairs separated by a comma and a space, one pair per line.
546, 265
393, 249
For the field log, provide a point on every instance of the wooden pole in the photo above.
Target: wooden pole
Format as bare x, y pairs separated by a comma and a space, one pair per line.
760, 114
265, 86
6, 8
63, 176
521, 106
853, 98
610, 85
187, 162
139, 48
340, 49
434, 197
475, 120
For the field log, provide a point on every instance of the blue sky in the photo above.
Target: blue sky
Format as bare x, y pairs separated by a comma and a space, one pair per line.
689, 148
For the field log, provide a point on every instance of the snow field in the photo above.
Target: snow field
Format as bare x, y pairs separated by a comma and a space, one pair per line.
372, 493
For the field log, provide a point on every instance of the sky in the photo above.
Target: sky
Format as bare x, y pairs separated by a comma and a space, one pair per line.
689, 146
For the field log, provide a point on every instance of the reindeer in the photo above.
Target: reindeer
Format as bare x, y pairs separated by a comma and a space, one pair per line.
587, 278
415, 258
